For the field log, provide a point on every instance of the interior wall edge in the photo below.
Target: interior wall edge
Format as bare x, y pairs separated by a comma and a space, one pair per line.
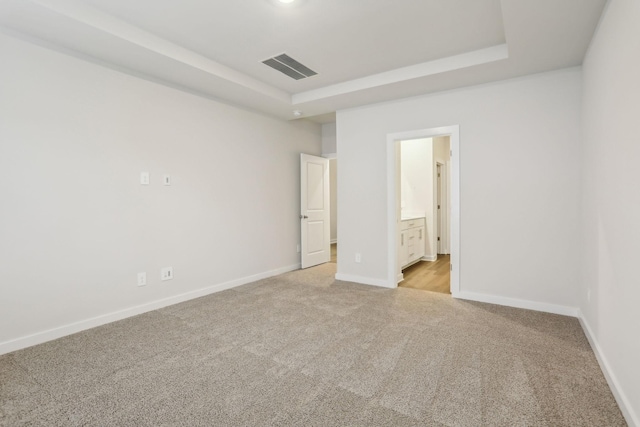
369, 281
563, 310
621, 398
83, 325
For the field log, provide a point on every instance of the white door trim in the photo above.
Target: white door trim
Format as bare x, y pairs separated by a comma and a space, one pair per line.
445, 211
439, 208
393, 208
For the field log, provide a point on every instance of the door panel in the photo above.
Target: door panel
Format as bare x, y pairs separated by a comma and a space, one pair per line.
315, 213
315, 189
315, 236
420, 242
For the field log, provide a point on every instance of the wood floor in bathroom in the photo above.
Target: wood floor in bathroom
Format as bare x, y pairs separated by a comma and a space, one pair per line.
431, 276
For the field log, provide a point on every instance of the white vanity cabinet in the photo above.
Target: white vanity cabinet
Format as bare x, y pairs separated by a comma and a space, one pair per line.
412, 241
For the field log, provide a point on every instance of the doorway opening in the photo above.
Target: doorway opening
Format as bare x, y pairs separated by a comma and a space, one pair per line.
423, 253
315, 224
318, 210
414, 223
333, 190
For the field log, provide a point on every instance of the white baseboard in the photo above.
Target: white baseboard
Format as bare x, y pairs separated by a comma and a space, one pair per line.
622, 400
429, 258
399, 278
518, 303
363, 280
72, 328
333, 241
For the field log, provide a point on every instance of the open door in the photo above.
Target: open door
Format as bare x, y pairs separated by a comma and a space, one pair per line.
315, 215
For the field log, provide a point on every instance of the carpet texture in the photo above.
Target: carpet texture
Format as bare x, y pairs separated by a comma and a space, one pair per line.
303, 349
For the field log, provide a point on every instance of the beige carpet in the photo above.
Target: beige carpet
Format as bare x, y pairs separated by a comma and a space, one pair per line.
301, 349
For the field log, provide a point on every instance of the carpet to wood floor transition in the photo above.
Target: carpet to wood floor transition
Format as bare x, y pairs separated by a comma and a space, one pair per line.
302, 349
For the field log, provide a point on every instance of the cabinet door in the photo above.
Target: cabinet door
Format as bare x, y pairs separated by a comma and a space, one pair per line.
420, 242
403, 253
414, 245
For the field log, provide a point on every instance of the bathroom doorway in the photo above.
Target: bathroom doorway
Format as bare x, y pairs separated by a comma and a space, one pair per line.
424, 208
395, 213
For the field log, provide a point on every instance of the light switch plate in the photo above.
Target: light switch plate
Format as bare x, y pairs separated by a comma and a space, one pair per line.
142, 279
166, 273
166, 180
144, 178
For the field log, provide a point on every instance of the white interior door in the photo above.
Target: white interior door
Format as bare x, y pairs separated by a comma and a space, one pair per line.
315, 212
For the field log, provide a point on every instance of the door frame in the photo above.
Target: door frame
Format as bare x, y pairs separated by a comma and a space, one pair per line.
393, 201
445, 211
440, 205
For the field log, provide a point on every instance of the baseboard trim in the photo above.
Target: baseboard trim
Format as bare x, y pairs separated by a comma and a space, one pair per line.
333, 241
415, 261
429, 258
72, 328
518, 303
363, 280
622, 400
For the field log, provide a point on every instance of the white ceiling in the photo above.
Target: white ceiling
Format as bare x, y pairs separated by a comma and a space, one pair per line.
364, 52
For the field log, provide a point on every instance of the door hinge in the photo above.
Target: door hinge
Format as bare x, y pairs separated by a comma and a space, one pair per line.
438, 238
438, 206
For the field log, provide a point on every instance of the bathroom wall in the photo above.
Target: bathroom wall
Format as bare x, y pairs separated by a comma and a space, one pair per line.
441, 147
416, 176
417, 186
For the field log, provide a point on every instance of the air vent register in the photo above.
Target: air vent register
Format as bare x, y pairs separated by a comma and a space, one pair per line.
289, 66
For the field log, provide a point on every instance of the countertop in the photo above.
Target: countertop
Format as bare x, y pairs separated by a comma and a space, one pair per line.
409, 217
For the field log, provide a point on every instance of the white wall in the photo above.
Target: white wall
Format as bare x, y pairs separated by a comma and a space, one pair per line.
441, 147
75, 224
520, 184
610, 291
329, 139
416, 177
329, 150
441, 150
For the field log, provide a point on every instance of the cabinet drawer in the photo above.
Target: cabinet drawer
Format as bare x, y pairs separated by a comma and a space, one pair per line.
411, 223
412, 236
412, 253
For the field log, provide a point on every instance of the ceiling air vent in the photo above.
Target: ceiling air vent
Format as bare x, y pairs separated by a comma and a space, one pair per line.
289, 66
